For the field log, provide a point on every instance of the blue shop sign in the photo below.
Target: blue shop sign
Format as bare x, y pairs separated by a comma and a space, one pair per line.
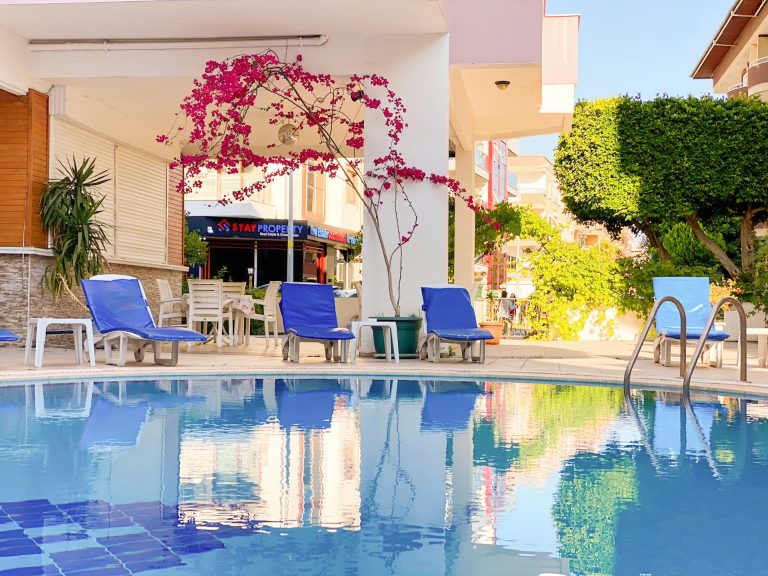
245, 228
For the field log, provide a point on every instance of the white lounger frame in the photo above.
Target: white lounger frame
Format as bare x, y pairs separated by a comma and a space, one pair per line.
337, 350
116, 349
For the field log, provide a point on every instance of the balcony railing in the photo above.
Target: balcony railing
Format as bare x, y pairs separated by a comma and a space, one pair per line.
757, 72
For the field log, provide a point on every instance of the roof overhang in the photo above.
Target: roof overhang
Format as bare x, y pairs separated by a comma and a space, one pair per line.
727, 36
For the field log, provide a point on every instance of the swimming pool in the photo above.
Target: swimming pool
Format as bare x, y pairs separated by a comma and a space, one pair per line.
378, 476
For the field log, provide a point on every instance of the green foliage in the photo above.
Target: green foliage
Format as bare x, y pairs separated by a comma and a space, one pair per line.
593, 490
69, 208
221, 274
570, 281
704, 156
650, 165
587, 164
637, 286
356, 249
195, 247
686, 251
496, 227
257, 326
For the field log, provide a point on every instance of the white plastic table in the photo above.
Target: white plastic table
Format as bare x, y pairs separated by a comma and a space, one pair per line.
391, 347
762, 344
41, 326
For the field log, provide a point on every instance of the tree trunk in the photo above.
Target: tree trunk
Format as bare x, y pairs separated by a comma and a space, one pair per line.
656, 244
747, 237
730, 267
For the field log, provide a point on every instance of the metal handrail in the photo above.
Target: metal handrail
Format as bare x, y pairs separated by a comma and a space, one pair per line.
703, 340
644, 335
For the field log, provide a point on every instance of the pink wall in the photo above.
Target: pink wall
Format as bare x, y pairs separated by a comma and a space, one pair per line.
495, 31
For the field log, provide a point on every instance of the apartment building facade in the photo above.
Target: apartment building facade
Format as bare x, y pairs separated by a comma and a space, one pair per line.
736, 59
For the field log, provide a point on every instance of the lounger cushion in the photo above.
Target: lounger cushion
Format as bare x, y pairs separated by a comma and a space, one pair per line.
448, 308
316, 333
307, 306
6, 336
463, 334
694, 334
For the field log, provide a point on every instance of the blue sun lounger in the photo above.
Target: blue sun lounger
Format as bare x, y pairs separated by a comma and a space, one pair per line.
121, 313
7, 336
449, 317
693, 293
309, 313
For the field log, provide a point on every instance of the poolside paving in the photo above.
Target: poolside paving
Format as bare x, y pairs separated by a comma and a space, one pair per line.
602, 362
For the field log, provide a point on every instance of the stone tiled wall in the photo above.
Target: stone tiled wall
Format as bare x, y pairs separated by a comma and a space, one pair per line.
23, 294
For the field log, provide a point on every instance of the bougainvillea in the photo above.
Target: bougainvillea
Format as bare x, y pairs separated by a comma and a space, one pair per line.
239, 95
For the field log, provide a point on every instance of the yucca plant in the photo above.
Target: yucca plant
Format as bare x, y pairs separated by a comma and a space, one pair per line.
69, 208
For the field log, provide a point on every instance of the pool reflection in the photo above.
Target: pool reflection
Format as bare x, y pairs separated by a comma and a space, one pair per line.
398, 476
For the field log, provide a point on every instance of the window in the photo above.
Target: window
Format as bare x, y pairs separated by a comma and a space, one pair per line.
314, 195
762, 46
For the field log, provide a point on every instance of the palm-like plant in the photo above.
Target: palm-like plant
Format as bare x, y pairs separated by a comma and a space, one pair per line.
69, 208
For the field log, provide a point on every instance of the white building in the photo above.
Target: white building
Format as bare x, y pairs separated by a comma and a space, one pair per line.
104, 77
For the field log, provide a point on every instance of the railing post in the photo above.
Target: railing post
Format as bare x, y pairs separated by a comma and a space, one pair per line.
705, 333
644, 335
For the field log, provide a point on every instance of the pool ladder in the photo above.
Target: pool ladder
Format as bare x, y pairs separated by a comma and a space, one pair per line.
686, 375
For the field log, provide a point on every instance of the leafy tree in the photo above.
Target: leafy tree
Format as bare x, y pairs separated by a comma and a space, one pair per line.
493, 229
595, 189
697, 159
649, 165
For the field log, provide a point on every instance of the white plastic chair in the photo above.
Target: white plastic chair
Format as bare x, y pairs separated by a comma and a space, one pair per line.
268, 315
168, 304
206, 306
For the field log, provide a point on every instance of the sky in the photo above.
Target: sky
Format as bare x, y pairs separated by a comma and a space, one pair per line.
645, 47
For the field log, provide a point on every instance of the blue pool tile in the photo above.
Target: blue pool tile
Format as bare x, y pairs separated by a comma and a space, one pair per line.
20, 551
136, 567
96, 514
63, 537
103, 571
11, 535
10, 507
85, 559
31, 571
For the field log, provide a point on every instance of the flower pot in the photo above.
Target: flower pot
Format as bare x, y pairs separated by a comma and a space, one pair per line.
494, 328
407, 336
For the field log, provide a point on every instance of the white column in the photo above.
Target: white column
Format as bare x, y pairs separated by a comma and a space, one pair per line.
464, 232
417, 67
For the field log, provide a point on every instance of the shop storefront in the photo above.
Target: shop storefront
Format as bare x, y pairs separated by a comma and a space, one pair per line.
255, 250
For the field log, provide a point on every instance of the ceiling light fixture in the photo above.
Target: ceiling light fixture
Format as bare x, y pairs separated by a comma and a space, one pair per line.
502, 84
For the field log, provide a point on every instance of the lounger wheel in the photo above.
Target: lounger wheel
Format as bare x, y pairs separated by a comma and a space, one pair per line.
138, 354
285, 349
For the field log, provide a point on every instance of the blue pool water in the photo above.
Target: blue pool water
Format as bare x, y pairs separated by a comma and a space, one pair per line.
360, 476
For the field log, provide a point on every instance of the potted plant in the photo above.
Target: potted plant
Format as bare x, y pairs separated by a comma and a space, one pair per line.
237, 96
492, 322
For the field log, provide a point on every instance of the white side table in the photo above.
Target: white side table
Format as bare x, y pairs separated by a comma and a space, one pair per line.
40, 325
762, 344
391, 347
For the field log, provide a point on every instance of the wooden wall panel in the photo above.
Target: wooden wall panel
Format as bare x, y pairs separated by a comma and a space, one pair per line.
175, 219
38, 162
23, 167
14, 160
